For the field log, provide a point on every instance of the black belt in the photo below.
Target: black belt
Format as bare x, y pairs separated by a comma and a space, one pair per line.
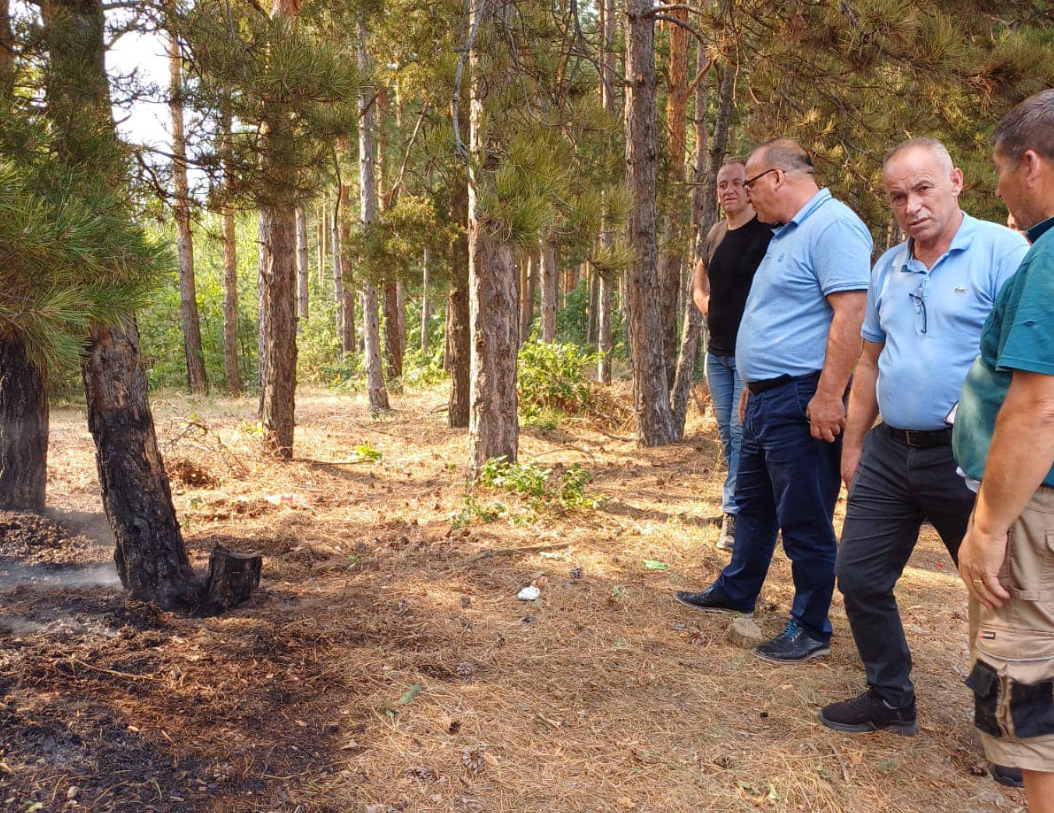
758, 387
921, 439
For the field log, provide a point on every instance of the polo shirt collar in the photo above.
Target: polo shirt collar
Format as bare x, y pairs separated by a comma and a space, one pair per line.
962, 240
810, 206
1039, 229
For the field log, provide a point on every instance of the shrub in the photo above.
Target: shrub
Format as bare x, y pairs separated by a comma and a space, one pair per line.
551, 376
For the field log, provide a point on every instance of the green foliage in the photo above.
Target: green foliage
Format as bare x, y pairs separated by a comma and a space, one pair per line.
473, 510
365, 453
542, 489
551, 376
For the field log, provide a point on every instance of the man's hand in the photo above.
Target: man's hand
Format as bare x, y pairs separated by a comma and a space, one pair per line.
980, 559
826, 415
743, 396
851, 454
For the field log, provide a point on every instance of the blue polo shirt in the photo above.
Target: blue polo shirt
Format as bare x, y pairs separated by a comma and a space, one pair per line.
1018, 335
930, 320
824, 249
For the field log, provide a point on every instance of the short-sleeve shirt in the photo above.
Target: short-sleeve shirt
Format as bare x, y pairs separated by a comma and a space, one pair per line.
1018, 335
732, 259
930, 320
824, 249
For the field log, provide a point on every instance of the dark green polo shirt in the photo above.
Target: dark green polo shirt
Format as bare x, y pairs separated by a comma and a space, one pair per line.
1018, 335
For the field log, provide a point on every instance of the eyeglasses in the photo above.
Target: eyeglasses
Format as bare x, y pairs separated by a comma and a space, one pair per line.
750, 181
918, 297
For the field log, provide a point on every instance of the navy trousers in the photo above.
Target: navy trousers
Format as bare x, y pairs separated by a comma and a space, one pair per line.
787, 481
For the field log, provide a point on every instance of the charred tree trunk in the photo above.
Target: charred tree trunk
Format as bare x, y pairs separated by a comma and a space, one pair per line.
651, 394
23, 430
493, 420
393, 336
378, 393
301, 268
184, 240
458, 329
230, 269
549, 282
673, 231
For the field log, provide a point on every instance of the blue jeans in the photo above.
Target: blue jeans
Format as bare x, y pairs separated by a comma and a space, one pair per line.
788, 481
725, 388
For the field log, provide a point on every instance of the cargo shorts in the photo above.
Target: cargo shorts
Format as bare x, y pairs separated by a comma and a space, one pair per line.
1012, 648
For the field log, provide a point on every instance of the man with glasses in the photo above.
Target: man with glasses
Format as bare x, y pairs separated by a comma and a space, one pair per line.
926, 304
797, 344
732, 252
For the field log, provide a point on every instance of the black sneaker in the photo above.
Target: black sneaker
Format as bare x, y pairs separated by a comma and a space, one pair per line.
793, 645
709, 601
869, 712
1011, 777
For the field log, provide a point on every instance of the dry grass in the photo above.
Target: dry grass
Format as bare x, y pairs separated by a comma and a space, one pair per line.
604, 695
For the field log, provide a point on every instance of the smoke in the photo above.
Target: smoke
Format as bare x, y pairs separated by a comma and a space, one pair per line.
92, 525
38, 577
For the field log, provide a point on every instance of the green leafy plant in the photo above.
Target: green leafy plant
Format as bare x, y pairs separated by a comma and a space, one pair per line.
472, 510
541, 488
365, 453
550, 380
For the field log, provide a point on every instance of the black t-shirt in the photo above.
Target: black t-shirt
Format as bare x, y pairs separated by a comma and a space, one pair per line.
733, 257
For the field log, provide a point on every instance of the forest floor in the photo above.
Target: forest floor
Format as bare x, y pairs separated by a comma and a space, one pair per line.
386, 664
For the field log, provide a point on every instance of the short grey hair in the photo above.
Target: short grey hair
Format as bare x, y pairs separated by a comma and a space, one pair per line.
784, 153
933, 145
1029, 126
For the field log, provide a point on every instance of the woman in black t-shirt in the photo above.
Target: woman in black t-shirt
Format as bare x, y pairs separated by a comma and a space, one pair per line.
732, 252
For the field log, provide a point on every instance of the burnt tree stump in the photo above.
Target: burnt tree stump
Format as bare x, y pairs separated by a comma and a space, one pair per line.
231, 579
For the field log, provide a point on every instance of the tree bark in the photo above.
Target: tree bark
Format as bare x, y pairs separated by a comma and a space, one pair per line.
278, 275
655, 425
676, 141
526, 300
346, 306
378, 393
426, 305
549, 282
458, 330
23, 430
322, 218
493, 420
301, 268
7, 50
608, 281
338, 268
184, 240
393, 336
230, 268
591, 308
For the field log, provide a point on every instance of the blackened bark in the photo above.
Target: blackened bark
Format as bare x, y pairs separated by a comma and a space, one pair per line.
151, 559
23, 430
651, 394
394, 339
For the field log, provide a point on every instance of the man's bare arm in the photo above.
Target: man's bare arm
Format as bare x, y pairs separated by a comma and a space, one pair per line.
863, 408
701, 288
826, 410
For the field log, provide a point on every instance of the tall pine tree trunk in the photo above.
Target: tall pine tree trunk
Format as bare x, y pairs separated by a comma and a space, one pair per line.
393, 334
526, 300
338, 268
458, 330
230, 266
651, 394
346, 307
426, 304
23, 429
607, 237
593, 280
302, 270
188, 303
493, 421
378, 393
673, 231
550, 280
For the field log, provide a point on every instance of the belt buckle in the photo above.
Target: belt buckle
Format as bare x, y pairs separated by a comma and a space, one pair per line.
909, 438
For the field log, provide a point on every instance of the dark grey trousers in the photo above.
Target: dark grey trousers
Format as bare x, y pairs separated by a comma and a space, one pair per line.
895, 489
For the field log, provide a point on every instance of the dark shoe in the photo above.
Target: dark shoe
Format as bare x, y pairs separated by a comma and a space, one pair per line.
709, 601
869, 712
793, 645
727, 538
1011, 777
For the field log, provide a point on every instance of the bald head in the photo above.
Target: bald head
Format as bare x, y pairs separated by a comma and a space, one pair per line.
783, 153
934, 147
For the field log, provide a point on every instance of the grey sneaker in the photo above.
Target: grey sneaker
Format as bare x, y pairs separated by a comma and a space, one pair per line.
727, 538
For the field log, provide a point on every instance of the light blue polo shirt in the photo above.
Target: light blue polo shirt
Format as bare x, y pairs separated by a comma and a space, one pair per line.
824, 249
930, 319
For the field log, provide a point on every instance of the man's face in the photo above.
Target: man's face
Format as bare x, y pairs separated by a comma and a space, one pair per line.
924, 195
1015, 191
730, 192
761, 189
